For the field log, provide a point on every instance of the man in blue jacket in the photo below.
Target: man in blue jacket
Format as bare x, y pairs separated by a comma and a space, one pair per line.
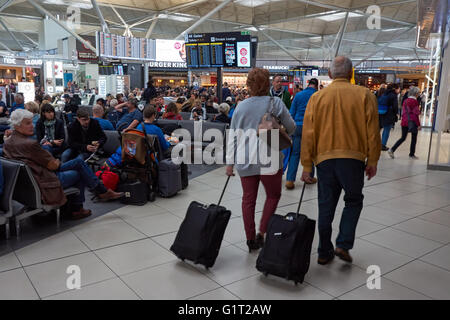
297, 111
18, 102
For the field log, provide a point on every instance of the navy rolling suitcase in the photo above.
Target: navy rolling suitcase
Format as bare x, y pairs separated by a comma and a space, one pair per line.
201, 232
287, 249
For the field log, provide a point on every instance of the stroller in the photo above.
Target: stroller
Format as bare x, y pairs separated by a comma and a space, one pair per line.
139, 160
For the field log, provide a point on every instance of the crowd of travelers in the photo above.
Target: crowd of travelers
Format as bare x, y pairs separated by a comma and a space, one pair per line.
337, 132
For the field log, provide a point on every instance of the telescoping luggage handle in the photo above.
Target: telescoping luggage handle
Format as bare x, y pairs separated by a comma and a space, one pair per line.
301, 198
223, 191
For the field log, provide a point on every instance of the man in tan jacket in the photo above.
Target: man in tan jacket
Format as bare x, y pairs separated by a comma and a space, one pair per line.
341, 136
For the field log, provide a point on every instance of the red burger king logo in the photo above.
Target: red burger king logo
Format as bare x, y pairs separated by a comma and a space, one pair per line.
177, 45
244, 60
243, 52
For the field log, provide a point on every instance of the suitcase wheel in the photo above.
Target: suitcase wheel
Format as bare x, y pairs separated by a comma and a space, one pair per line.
266, 274
152, 196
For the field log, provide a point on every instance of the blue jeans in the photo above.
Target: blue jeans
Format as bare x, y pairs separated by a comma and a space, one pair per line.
75, 173
333, 176
295, 155
54, 151
385, 135
70, 154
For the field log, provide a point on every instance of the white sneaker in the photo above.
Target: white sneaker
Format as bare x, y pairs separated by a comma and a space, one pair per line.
391, 153
413, 157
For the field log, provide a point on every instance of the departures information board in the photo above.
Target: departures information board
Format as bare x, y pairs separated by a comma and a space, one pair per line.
120, 47
227, 49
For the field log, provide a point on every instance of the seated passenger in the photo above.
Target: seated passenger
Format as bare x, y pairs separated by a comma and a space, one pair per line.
172, 112
50, 175
85, 137
150, 128
209, 106
198, 113
33, 107
1, 179
18, 102
132, 118
3, 108
50, 131
98, 114
223, 114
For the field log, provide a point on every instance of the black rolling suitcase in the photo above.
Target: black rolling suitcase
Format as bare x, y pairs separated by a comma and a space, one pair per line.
169, 178
287, 249
201, 232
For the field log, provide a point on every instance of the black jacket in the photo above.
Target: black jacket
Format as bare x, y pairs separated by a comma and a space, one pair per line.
222, 118
59, 130
390, 117
79, 141
149, 94
71, 107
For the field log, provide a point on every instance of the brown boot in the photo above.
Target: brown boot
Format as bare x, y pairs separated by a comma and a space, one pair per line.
313, 181
324, 261
343, 255
290, 185
81, 214
110, 195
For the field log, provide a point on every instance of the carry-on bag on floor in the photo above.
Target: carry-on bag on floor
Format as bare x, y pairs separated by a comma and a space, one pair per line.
169, 178
184, 175
201, 232
287, 249
135, 193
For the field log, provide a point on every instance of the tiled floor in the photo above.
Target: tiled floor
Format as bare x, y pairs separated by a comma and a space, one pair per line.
404, 229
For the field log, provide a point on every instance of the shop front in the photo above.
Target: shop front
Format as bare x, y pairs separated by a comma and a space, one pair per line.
14, 70
168, 74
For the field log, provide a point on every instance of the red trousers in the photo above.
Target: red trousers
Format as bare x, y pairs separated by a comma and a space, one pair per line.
272, 185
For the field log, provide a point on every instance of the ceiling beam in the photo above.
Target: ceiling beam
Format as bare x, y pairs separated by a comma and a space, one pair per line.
204, 18
341, 34
386, 4
11, 34
184, 5
363, 13
6, 47
5, 5
384, 46
100, 16
279, 45
152, 26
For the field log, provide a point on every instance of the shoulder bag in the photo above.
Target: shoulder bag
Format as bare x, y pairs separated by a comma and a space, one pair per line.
270, 122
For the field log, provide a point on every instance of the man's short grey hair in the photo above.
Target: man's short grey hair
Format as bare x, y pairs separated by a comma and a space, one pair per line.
97, 109
113, 103
413, 91
18, 115
341, 67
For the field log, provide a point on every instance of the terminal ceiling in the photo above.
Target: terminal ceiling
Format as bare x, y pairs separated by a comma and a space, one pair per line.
307, 29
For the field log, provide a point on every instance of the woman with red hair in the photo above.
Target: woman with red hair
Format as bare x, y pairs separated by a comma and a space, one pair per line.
247, 118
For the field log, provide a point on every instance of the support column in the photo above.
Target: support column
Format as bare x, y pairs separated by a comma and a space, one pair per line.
100, 16
341, 34
146, 74
219, 84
